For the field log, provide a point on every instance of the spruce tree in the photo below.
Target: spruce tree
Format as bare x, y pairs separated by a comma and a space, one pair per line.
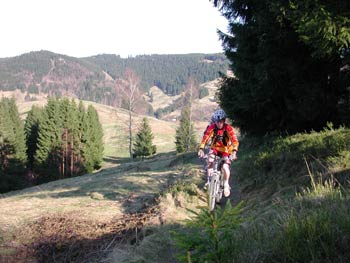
69, 115
79, 146
48, 154
92, 140
291, 64
143, 141
31, 129
185, 136
12, 146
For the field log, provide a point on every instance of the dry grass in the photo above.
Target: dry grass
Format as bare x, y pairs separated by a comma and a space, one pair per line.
160, 99
100, 196
89, 212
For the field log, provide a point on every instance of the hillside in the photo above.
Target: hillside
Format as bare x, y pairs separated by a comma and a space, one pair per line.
170, 73
87, 218
95, 78
115, 127
295, 193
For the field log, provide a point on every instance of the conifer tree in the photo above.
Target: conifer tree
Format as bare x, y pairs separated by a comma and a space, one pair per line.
185, 136
143, 141
18, 130
79, 145
12, 146
48, 154
92, 140
291, 64
70, 137
31, 129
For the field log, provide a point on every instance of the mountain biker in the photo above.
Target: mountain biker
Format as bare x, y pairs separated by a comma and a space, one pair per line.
224, 144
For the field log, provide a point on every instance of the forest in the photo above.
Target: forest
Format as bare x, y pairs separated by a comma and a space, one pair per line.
61, 140
94, 78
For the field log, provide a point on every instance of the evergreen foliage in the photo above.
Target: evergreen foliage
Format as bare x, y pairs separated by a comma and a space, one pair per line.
207, 237
86, 78
12, 146
168, 72
291, 64
185, 139
143, 146
48, 155
69, 140
31, 128
92, 140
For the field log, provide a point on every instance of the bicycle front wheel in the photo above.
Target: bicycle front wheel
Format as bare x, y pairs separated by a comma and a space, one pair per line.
213, 187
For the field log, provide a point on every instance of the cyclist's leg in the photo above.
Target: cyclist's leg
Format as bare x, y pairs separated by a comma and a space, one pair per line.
226, 169
211, 156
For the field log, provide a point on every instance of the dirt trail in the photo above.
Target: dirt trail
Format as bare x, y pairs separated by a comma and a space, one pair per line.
235, 196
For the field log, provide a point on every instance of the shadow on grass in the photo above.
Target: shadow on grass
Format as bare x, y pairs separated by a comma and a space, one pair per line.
134, 185
115, 160
64, 238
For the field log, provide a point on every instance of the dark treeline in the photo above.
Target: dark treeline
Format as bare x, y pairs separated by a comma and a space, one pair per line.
168, 72
58, 141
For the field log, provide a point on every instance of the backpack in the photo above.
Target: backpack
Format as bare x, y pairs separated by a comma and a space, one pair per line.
224, 137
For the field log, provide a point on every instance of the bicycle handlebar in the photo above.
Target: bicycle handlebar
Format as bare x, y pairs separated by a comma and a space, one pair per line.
224, 158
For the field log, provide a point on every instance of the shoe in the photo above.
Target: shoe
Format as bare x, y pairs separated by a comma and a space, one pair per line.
206, 185
227, 191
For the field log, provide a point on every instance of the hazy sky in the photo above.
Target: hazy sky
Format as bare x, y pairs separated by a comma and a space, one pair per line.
126, 27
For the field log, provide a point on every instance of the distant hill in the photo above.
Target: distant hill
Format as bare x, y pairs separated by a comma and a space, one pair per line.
55, 75
170, 73
93, 78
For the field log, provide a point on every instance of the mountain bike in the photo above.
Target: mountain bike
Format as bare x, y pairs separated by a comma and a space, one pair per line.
216, 183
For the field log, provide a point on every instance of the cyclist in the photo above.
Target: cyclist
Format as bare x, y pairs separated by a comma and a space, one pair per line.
224, 144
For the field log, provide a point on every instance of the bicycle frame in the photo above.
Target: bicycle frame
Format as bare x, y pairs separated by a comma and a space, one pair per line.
216, 184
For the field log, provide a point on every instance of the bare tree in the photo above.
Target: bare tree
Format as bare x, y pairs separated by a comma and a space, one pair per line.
129, 88
191, 93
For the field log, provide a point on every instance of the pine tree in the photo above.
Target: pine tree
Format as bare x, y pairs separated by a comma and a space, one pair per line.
291, 64
31, 129
48, 154
92, 140
79, 145
12, 146
143, 142
185, 136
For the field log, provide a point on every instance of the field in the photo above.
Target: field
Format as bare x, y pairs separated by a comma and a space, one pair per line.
95, 211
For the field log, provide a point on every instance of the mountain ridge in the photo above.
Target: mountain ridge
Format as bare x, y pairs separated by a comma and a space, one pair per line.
45, 73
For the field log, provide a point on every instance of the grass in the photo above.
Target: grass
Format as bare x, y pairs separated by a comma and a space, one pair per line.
99, 196
166, 181
296, 197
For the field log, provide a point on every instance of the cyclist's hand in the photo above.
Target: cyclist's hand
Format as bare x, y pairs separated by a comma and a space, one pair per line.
233, 155
200, 153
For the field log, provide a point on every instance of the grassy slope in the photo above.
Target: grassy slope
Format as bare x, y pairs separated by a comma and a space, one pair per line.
276, 177
115, 126
296, 194
120, 188
94, 201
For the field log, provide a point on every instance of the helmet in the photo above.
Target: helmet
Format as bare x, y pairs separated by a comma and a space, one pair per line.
218, 115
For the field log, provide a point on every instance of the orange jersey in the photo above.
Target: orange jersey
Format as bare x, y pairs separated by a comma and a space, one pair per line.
224, 140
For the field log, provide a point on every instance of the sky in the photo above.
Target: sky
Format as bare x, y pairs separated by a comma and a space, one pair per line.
82, 28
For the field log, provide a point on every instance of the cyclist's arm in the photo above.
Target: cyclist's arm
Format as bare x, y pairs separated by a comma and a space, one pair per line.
233, 138
207, 135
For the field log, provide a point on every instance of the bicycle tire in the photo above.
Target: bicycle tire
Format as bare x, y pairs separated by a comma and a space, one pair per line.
213, 187
218, 195
220, 188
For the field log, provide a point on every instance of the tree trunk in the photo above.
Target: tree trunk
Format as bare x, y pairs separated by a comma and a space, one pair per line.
130, 136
